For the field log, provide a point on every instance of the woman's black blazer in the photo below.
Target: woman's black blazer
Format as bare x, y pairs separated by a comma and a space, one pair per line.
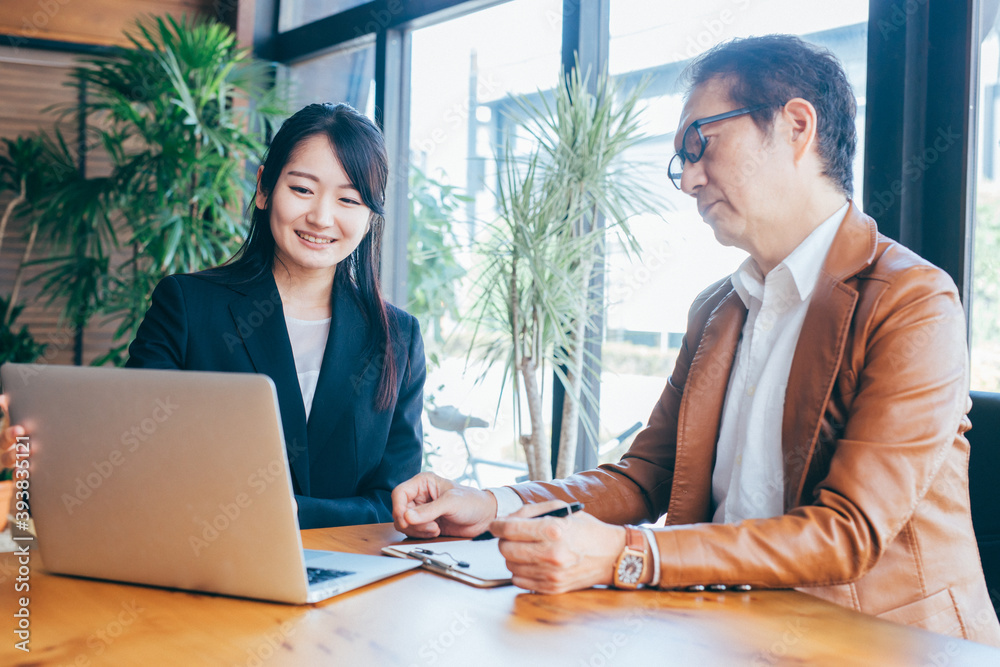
347, 458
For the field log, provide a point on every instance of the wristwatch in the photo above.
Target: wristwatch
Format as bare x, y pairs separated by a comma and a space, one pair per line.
631, 564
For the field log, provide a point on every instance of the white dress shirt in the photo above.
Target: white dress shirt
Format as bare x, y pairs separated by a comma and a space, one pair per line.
748, 479
508, 501
308, 339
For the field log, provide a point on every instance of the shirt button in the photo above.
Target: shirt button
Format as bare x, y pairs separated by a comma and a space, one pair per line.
750, 390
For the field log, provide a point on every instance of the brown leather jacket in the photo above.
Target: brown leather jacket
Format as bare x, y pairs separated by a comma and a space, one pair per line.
875, 460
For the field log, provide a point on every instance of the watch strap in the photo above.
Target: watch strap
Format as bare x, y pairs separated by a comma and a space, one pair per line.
633, 560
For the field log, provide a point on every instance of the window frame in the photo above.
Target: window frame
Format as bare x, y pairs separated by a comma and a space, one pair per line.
909, 45
915, 43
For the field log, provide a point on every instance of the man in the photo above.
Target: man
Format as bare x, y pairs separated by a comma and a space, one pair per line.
811, 433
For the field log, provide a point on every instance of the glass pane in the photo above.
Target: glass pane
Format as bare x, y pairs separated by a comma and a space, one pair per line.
461, 73
294, 13
986, 248
346, 75
649, 298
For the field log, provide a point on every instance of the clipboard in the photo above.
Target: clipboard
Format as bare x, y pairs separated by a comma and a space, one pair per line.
478, 564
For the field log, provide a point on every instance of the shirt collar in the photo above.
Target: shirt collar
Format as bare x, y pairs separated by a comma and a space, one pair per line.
804, 263
748, 281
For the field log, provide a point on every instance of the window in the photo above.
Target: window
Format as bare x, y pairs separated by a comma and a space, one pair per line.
985, 310
461, 73
648, 299
345, 75
294, 13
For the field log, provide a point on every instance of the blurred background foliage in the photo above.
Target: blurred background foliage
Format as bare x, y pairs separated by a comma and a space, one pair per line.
181, 117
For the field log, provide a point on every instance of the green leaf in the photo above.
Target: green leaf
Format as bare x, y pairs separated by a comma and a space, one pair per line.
538, 257
164, 112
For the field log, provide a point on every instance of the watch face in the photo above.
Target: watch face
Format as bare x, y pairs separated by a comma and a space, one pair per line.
630, 569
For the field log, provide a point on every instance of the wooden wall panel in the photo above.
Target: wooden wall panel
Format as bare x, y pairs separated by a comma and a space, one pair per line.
32, 80
92, 21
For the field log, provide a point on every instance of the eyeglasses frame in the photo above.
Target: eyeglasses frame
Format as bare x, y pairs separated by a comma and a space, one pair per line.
685, 157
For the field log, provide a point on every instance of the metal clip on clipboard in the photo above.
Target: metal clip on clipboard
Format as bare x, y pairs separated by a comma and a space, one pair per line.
424, 556
478, 564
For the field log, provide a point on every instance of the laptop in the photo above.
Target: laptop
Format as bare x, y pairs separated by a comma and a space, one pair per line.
177, 479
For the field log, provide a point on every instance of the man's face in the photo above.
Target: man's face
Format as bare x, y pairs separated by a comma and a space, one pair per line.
739, 179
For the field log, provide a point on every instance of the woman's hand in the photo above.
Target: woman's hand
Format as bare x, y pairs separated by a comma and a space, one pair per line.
428, 506
8, 434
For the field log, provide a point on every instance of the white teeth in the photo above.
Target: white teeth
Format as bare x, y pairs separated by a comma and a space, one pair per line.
313, 239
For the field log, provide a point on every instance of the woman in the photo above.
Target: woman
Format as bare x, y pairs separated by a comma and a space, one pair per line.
300, 302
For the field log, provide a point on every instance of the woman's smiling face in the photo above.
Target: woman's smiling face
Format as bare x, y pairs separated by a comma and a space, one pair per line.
316, 214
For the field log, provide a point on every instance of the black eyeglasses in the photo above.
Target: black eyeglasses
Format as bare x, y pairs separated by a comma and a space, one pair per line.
693, 143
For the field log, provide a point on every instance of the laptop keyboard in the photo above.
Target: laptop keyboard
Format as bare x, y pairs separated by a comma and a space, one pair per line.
318, 575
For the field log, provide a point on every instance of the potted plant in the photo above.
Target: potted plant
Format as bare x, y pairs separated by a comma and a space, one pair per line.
181, 116
541, 254
27, 173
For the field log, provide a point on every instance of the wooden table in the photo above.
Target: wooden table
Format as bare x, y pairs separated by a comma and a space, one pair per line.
418, 618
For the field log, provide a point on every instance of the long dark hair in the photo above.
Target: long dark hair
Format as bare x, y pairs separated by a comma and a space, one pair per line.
360, 149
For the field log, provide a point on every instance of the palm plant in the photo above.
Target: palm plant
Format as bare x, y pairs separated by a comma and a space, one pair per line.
30, 170
541, 255
181, 116
17, 346
16, 172
74, 218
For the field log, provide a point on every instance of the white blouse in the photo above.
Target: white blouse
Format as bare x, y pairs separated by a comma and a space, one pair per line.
308, 339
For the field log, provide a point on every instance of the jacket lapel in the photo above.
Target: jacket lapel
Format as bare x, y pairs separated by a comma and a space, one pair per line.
344, 379
260, 322
820, 350
701, 412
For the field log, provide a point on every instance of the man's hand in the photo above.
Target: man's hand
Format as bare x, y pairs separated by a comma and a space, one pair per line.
427, 506
557, 555
8, 434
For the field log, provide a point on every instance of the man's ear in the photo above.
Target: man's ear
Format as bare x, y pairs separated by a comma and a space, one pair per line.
801, 117
260, 199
